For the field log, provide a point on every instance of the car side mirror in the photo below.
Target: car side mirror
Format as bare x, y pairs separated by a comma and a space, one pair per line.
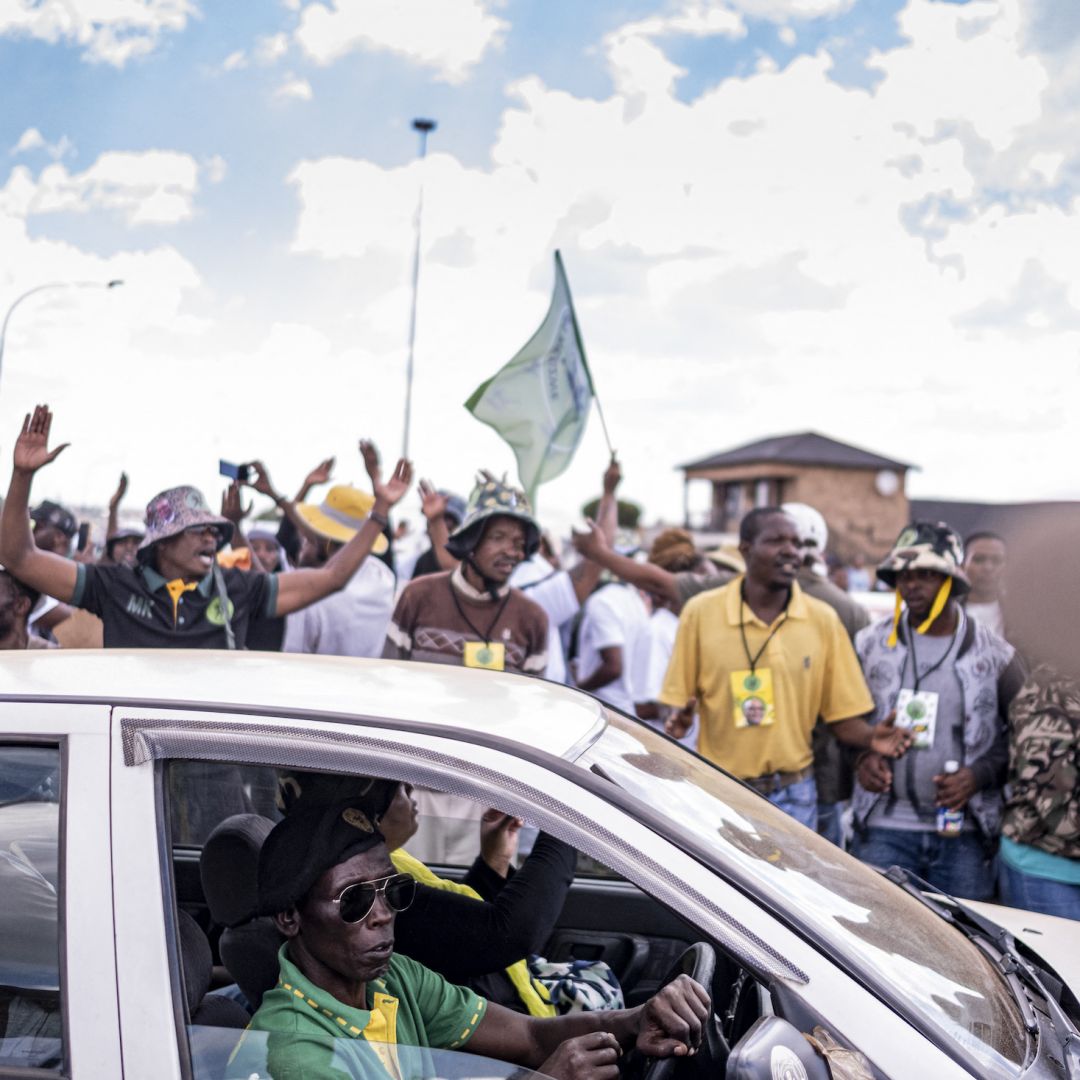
773, 1048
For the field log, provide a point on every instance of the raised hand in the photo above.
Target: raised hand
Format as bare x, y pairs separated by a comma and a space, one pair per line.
261, 482
232, 509
119, 493
432, 502
590, 542
499, 839
369, 452
32, 446
321, 474
393, 491
612, 476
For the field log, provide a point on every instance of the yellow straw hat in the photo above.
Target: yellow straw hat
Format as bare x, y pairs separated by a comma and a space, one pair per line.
340, 515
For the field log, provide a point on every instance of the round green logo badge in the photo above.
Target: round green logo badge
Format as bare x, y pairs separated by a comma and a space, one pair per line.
214, 613
751, 683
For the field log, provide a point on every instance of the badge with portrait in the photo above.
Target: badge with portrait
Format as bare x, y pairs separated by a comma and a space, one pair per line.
490, 655
916, 710
752, 698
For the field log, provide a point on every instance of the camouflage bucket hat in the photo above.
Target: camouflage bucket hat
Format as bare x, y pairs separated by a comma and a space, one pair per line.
179, 508
925, 545
493, 498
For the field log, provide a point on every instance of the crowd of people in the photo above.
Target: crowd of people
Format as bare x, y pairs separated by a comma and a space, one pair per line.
942, 738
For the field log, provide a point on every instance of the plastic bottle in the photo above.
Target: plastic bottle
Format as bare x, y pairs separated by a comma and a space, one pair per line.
950, 822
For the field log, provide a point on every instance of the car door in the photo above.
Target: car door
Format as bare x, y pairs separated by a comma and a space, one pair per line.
58, 1013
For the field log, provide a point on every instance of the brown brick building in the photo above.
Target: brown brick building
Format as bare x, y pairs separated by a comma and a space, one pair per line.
861, 494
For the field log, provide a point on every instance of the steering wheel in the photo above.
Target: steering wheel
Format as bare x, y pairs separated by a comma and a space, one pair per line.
699, 962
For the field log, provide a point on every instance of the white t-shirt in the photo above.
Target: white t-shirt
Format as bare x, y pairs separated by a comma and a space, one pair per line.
352, 622
554, 591
616, 616
663, 625
990, 615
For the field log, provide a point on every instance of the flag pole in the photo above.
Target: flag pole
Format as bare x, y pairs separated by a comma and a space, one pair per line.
603, 422
422, 127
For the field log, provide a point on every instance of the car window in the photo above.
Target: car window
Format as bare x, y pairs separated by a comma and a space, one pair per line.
204, 793
31, 1021
858, 915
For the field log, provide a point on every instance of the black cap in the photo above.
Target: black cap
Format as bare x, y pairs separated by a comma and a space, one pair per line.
298, 789
304, 845
50, 513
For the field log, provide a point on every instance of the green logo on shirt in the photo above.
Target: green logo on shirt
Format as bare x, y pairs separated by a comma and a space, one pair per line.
214, 613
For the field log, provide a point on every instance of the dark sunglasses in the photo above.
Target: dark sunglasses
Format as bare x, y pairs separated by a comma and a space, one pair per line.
357, 900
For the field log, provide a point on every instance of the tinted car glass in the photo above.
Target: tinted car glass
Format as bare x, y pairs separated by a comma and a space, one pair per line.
912, 954
31, 1028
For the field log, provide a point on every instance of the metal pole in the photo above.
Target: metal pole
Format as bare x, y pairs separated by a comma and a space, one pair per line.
40, 288
422, 127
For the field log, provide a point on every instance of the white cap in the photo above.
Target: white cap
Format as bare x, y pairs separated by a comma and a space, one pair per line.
813, 532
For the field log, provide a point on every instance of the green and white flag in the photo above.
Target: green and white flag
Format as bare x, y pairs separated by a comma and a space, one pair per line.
539, 402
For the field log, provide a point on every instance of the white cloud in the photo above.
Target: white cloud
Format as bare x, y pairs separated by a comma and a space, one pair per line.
448, 36
235, 61
215, 169
780, 239
270, 49
108, 31
294, 87
32, 140
152, 187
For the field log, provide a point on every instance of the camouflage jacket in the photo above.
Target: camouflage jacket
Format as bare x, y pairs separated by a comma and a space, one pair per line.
1043, 795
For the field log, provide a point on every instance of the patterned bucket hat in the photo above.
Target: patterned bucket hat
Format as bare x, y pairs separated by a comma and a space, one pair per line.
493, 498
925, 545
176, 509
340, 516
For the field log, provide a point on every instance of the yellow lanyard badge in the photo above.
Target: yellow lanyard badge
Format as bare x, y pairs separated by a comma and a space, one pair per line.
752, 699
490, 655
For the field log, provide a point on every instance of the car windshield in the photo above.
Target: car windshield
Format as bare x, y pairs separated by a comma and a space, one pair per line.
864, 920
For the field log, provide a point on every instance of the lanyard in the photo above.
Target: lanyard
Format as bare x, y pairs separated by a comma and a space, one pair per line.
918, 677
486, 638
752, 660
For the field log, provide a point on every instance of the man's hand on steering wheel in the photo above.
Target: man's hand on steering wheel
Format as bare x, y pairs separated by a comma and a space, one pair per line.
673, 1020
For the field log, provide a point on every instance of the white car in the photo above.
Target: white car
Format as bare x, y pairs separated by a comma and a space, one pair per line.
102, 816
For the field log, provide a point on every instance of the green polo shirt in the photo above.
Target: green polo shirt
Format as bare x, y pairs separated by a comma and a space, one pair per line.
312, 1034
138, 612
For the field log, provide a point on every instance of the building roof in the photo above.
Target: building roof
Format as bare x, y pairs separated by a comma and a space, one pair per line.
501, 705
801, 448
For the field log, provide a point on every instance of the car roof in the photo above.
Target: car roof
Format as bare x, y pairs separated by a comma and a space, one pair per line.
543, 715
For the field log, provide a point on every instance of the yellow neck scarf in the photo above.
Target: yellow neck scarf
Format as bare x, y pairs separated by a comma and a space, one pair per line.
936, 609
176, 588
533, 995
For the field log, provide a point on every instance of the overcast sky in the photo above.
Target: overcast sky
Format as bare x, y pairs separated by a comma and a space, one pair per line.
854, 216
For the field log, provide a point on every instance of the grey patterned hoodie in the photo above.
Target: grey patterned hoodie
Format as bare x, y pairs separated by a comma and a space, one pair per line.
990, 675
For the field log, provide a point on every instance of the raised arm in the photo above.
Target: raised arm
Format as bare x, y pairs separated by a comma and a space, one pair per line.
114, 506
42, 570
300, 588
648, 576
433, 504
587, 573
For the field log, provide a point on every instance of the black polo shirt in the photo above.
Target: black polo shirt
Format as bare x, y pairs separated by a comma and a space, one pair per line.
137, 610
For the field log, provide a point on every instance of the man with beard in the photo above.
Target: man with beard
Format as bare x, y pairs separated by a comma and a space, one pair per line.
178, 596
347, 1005
761, 637
471, 616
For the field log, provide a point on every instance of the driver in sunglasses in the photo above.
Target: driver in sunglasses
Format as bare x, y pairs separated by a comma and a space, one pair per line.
345, 1001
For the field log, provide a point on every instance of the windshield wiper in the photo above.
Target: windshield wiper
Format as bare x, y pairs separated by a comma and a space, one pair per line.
1015, 969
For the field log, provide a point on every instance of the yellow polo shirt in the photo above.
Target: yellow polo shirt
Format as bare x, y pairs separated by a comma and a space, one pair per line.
814, 673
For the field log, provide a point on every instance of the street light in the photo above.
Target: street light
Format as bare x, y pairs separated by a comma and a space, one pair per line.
422, 127
115, 283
